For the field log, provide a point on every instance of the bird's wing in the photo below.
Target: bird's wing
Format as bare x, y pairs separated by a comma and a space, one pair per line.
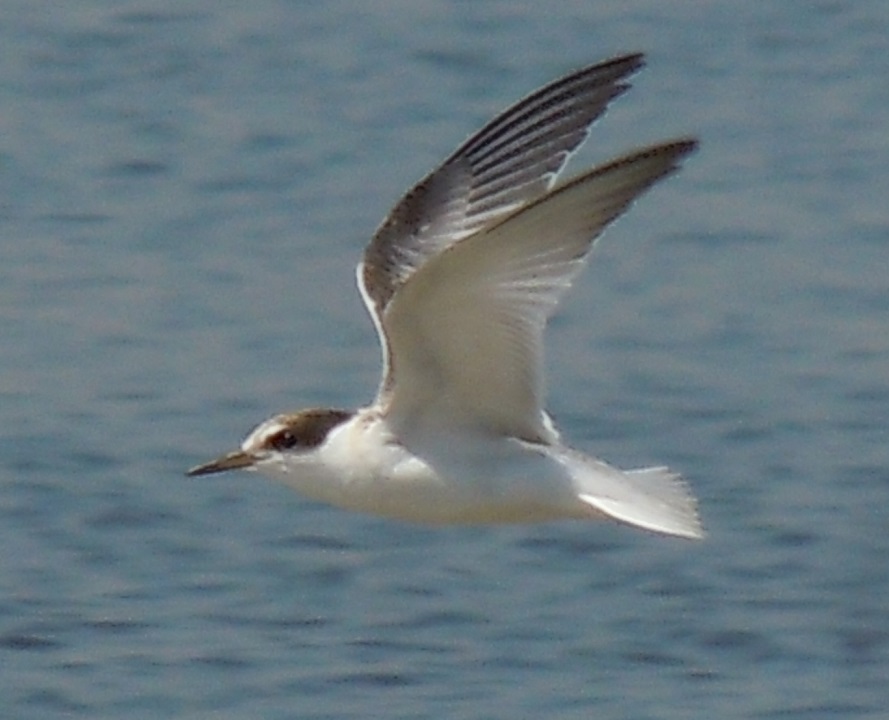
512, 160
465, 330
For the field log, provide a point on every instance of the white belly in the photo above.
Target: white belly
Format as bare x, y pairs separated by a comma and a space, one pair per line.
472, 478
457, 479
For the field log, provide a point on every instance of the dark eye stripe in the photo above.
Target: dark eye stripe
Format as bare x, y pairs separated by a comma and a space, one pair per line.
306, 429
283, 440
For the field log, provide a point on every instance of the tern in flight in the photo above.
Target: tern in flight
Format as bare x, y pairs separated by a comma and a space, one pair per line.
460, 280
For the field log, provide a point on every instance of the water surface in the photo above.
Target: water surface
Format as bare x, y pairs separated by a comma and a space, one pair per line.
185, 191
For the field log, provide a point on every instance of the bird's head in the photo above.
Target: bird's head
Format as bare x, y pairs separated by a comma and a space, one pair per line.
278, 439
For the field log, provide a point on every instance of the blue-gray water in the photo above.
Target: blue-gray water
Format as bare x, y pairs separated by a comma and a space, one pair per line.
184, 191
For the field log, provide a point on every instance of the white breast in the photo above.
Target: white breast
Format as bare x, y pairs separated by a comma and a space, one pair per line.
442, 478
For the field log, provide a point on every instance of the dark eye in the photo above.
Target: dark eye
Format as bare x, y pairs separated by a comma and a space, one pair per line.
283, 440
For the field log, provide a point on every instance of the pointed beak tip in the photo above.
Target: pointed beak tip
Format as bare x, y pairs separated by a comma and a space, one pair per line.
197, 470
233, 461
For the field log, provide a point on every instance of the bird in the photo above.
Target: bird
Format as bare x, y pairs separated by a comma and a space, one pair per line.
459, 280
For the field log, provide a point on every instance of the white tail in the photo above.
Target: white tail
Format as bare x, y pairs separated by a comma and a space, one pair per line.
655, 498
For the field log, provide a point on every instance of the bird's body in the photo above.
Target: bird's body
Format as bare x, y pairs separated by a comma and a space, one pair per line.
459, 281
451, 476
442, 479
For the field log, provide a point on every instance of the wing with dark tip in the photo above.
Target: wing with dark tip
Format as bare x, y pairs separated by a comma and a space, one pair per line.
510, 162
465, 332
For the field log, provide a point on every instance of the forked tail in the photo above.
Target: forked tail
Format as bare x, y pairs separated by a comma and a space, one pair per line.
655, 498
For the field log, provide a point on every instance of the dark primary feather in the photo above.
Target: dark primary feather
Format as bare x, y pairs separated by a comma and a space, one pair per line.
466, 332
511, 161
